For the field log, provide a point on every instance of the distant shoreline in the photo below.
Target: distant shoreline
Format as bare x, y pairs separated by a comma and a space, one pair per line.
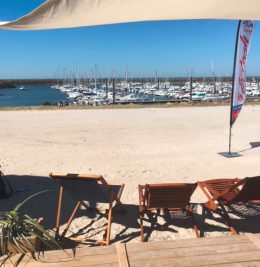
126, 106
7, 86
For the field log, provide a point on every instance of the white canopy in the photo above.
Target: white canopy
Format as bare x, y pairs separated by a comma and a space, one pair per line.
55, 14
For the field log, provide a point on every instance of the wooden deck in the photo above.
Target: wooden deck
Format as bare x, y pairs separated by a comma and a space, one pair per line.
243, 250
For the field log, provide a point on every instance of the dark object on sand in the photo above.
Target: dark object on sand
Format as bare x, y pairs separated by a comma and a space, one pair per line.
5, 187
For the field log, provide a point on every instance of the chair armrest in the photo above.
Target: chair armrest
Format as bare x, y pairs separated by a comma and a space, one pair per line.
210, 204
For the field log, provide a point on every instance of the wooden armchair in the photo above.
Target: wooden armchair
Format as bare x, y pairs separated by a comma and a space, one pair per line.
92, 188
174, 197
225, 192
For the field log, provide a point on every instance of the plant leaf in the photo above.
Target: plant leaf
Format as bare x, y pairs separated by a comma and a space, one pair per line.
17, 207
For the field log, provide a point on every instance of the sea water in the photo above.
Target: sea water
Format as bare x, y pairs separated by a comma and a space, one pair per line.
31, 96
38, 95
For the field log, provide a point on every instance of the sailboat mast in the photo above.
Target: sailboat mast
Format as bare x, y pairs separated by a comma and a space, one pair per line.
126, 73
95, 76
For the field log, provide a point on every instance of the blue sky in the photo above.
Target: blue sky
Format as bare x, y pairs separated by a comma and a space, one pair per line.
171, 47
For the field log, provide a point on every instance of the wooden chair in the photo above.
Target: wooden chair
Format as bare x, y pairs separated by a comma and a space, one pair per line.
224, 192
91, 188
174, 197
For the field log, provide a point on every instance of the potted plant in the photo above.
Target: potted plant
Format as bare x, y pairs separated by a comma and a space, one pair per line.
19, 233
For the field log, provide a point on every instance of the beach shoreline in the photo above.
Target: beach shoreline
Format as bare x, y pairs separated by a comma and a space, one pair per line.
255, 102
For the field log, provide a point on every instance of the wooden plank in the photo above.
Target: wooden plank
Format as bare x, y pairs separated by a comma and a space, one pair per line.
72, 264
257, 236
238, 264
254, 238
122, 255
187, 243
191, 252
103, 265
226, 251
205, 260
106, 265
61, 264
53, 255
90, 256
105, 260
79, 252
88, 251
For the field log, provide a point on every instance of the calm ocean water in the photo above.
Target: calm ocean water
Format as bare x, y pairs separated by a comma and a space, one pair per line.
33, 96
38, 95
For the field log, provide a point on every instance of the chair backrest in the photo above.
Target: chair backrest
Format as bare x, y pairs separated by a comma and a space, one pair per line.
250, 190
175, 196
217, 187
84, 188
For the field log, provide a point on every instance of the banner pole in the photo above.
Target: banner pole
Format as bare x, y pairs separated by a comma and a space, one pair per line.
230, 135
232, 92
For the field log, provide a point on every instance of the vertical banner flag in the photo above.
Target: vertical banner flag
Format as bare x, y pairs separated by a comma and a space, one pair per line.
245, 32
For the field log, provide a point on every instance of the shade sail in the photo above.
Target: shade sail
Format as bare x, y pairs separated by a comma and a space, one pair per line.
55, 14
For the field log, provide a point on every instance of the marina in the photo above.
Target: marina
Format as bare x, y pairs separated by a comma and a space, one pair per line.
118, 91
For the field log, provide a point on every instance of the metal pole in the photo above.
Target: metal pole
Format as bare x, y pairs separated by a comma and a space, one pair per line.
229, 143
114, 94
232, 92
191, 89
107, 88
215, 87
95, 76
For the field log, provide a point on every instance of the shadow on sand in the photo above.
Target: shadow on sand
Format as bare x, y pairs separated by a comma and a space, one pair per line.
43, 205
252, 146
237, 154
247, 217
244, 217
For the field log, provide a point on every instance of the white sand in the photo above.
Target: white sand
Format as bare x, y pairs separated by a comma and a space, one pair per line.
131, 146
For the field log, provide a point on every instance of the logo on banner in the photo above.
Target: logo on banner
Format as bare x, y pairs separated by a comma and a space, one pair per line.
248, 26
239, 87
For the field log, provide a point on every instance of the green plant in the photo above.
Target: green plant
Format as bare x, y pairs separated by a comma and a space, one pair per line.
17, 230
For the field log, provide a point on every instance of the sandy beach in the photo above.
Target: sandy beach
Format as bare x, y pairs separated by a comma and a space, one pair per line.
131, 146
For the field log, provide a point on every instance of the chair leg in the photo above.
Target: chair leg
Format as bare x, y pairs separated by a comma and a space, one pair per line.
228, 221
59, 211
110, 211
205, 211
142, 225
141, 211
193, 221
